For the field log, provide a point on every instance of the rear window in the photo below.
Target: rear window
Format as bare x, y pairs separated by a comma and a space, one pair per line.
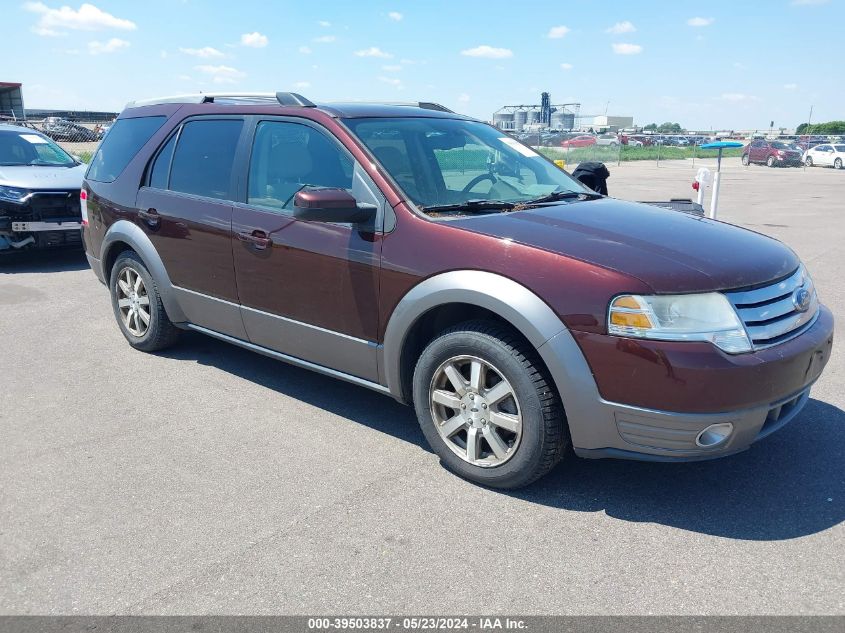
202, 162
123, 141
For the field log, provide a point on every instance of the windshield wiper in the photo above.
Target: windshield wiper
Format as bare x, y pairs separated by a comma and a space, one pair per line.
563, 195
471, 205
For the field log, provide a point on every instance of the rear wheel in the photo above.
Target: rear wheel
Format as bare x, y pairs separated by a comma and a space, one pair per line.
770, 161
837, 164
746, 160
137, 305
486, 407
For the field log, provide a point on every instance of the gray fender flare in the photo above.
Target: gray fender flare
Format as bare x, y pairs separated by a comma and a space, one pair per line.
521, 308
131, 234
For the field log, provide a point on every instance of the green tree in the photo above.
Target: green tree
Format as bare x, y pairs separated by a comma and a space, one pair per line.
830, 127
670, 128
651, 127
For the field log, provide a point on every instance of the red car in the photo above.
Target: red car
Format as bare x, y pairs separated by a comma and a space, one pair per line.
584, 140
772, 153
429, 257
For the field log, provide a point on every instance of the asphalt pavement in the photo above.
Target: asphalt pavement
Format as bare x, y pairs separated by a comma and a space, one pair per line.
207, 479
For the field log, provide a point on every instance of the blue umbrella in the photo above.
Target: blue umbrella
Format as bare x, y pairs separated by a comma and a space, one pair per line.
718, 145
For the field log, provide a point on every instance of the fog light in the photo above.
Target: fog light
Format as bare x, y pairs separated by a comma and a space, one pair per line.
714, 435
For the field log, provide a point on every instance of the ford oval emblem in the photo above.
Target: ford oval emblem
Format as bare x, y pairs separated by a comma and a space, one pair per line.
801, 299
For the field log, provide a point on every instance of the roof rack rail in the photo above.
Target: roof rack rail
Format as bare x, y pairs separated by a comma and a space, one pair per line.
231, 98
425, 105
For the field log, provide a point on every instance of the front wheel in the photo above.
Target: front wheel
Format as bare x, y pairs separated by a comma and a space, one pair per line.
808, 161
746, 160
770, 161
487, 408
837, 164
137, 305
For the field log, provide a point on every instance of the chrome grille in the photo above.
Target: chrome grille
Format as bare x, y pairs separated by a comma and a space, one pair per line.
771, 314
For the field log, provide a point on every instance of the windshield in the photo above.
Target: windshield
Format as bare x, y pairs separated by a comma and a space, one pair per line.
26, 147
439, 162
779, 145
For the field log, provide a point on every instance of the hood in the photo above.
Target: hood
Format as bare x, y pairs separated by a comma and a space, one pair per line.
28, 177
668, 250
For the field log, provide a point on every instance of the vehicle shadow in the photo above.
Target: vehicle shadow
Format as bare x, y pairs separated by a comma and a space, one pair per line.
789, 485
46, 261
359, 404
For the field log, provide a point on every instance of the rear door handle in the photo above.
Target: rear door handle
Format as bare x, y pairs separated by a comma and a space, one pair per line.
150, 216
257, 238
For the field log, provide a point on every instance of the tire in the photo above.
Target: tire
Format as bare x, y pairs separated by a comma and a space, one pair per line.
808, 161
746, 160
533, 435
156, 334
770, 161
837, 164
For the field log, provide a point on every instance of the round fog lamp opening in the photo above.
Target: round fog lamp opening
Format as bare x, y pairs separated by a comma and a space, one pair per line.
714, 435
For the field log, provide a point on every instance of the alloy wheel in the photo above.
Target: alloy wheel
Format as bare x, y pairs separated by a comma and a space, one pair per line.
476, 411
133, 302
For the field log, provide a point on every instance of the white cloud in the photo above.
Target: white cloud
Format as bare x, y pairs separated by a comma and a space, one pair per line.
737, 97
305, 50
87, 18
206, 52
740, 66
373, 51
392, 68
395, 16
621, 27
489, 52
627, 49
325, 39
566, 66
700, 21
807, 3
463, 98
790, 86
393, 81
557, 32
114, 44
302, 84
324, 24
222, 74
254, 40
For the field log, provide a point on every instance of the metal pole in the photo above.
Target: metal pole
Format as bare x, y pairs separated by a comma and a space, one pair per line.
714, 198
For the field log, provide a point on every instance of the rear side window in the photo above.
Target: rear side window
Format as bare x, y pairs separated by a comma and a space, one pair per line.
202, 162
160, 173
123, 141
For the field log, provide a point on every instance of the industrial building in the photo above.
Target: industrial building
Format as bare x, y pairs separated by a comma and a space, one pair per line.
605, 123
11, 101
516, 118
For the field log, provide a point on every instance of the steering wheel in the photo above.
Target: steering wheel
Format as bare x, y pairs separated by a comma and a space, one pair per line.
488, 176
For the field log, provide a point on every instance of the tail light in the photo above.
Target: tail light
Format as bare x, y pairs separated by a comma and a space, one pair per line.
83, 206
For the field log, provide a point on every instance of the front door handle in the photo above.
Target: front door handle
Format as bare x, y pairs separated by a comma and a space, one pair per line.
257, 238
150, 216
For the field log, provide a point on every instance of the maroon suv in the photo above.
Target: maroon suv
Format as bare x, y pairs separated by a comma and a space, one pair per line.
431, 257
771, 153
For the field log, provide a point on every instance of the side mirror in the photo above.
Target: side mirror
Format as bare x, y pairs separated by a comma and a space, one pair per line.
331, 205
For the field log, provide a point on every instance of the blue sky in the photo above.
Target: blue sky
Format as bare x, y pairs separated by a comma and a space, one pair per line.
717, 64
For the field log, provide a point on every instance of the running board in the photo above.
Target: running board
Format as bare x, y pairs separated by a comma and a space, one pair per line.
298, 362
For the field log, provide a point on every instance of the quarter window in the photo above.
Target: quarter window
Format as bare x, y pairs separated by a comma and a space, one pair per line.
202, 162
123, 141
287, 157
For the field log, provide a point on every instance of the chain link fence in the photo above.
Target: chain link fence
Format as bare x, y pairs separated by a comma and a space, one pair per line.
78, 137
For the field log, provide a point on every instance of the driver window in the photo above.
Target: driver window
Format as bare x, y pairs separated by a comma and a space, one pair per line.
287, 157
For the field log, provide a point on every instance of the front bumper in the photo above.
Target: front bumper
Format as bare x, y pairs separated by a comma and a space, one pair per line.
651, 400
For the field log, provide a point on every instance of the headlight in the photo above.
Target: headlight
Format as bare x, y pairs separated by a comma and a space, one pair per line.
697, 317
12, 194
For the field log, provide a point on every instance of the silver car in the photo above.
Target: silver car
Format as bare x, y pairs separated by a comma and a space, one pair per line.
39, 192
